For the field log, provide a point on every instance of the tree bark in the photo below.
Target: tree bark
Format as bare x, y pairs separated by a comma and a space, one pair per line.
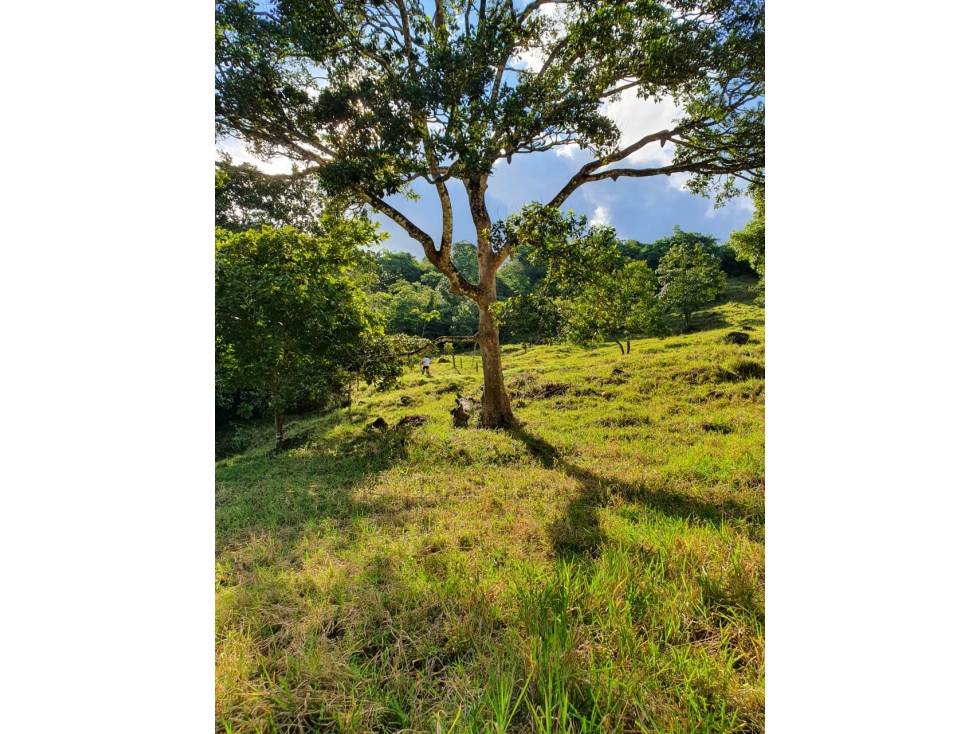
496, 411
621, 348
496, 403
278, 431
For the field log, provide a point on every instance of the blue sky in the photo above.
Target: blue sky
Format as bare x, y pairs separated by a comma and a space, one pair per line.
643, 209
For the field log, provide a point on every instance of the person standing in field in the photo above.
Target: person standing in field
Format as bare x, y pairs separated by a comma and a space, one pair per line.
426, 362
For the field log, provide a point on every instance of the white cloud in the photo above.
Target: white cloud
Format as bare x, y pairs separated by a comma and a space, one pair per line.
678, 180
638, 117
601, 200
532, 59
564, 151
734, 207
239, 155
602, 215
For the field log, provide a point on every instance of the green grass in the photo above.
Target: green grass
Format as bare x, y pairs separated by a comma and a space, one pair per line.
599, 569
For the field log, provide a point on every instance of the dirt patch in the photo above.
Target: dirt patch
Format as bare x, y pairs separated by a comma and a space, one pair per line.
528, 387
454, 387
742, 369
552, 389
412, 421
717, 427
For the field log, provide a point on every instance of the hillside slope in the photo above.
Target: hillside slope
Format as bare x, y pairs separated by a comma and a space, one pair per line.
601, 568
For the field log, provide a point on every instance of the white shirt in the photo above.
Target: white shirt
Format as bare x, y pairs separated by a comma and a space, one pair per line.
426, 362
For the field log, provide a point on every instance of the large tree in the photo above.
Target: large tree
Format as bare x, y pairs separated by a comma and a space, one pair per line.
373, 96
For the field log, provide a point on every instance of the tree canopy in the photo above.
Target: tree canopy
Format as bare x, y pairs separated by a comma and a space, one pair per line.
291, 317
689, 277
244, 198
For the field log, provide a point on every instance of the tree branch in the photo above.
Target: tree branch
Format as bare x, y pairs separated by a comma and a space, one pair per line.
440, 257
279, 176
584, 175
429, 343
439, 340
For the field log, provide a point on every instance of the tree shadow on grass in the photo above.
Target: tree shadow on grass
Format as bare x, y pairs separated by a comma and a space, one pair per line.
740, 289
287, 492
739, 292
578, 535
233, 436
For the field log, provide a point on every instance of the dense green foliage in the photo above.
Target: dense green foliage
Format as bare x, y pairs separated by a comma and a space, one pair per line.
749, 243
570, 286
395, 266
244, 199
652, 253
690, 277
291, 317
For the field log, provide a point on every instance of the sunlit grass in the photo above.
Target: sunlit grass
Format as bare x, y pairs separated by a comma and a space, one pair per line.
599, 569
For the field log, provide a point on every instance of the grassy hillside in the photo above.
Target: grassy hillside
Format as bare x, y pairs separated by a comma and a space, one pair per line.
599, 569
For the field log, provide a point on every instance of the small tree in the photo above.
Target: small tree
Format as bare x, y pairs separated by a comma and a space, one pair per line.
291, 317
618, 306
690, 277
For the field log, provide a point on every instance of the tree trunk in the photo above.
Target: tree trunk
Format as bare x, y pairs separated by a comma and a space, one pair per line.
621, 348
278, 431
496, 411
496, 403
628, 346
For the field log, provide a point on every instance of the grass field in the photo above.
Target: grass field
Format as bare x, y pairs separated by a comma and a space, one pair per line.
599, 569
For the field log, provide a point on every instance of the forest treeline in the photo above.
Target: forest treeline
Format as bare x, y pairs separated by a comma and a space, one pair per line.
414, 297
